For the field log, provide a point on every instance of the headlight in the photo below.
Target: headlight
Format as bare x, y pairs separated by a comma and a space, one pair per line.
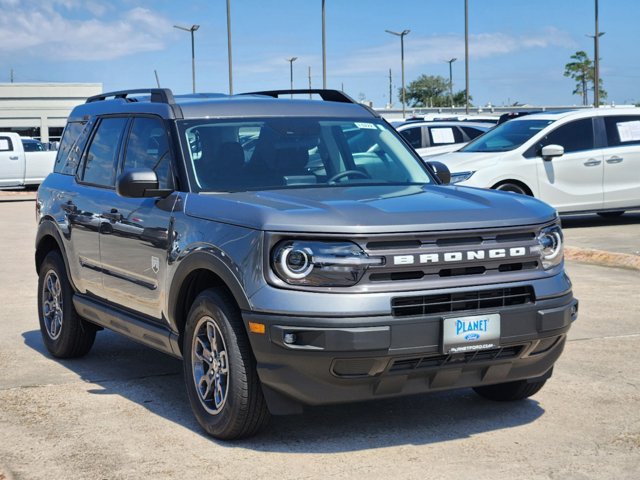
321, 264
550, 246
457, 177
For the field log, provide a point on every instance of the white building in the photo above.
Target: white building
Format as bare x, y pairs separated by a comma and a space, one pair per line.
40, 110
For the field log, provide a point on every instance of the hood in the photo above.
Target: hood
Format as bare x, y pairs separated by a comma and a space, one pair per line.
469, 161
370, 209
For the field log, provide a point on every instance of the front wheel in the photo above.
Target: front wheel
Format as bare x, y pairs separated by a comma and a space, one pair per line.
64, 333
219, 369
511, 391
511, 187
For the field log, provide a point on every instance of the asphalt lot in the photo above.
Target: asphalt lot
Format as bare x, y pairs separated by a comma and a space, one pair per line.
122, 412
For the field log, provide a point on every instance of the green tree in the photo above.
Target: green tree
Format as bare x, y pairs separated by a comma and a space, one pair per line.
431, 91
581, 69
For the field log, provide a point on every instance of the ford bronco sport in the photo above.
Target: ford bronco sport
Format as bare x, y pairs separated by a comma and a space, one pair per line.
292, 252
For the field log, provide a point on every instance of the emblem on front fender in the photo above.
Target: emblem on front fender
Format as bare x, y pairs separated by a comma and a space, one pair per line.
155, 264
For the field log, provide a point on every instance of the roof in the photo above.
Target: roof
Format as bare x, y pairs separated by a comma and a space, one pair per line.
162, 102
580, 113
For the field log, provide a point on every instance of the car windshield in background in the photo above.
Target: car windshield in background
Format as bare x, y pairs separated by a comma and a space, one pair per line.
293, 152
33, 145
507, 136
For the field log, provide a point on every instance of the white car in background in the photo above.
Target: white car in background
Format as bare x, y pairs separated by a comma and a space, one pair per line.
577, 161
434, 138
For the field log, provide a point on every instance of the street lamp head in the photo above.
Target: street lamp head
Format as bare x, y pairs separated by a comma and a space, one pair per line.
399, 34
292, 59
451, 60
192, 28
405, 32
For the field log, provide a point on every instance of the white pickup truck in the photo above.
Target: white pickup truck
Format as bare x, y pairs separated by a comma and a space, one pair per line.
20, 166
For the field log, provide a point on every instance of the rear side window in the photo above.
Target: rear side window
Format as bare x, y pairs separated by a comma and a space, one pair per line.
444, 135
6, 145
573, 136
413, 136
148, 147
472, 132
100, 161
622, 130
70, 149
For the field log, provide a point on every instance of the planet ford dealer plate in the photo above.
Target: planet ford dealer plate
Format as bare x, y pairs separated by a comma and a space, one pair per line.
467, 334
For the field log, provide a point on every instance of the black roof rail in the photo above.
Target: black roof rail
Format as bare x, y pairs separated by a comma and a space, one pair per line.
326, 95
158, 95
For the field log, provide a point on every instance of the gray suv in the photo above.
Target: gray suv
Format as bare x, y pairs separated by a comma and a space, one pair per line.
292, 252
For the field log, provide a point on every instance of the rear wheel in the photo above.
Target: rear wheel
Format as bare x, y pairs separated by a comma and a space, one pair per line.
64, 333
615, 214
511, 391
219, 369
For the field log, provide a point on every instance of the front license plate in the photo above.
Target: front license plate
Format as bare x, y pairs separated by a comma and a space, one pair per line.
467, 334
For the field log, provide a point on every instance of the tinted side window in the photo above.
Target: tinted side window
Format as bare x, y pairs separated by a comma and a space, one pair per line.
444, 135
413, 136
100, 161
472, 132
148, 147
622, 130
70, 148
6, 145
573, 136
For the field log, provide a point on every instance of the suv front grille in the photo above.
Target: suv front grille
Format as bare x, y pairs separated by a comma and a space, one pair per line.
461, 301
407, 364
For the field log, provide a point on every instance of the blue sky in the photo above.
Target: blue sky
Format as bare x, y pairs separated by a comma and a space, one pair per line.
518, 47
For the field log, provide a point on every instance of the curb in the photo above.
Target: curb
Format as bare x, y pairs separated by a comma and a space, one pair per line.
602, 258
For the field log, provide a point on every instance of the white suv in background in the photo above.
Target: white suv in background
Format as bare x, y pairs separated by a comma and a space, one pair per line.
434, 138
577, 161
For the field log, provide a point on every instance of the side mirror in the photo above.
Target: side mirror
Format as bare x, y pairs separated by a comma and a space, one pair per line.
550, 151
139, 183
441, 171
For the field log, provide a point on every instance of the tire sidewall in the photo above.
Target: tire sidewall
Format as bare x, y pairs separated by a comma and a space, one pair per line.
61, 344
213, 305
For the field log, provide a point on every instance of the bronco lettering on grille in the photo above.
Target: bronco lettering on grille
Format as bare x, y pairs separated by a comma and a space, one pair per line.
469, 255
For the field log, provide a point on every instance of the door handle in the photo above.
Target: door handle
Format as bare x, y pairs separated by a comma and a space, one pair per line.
113, 215
14, 157
615, 160
592, 162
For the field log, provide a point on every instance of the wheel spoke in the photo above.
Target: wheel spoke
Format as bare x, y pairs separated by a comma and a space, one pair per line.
211, 335
201, 352
218, 396
224, 364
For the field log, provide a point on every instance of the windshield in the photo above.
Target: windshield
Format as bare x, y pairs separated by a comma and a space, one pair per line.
290, 152
505, 137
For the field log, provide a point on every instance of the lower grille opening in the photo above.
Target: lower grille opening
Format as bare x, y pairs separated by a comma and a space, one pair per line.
454, 272
461, 301
419, 363
514, 267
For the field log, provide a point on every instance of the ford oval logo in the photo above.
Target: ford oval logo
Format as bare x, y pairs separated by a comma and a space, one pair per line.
472, 336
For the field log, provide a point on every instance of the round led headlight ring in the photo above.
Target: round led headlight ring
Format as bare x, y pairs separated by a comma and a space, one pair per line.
296, 263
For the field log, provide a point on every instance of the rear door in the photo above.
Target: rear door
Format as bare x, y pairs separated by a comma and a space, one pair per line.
11, 162
573, 181
622, 161
134, 236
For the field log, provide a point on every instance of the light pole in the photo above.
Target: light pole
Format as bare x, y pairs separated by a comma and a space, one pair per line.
451, 80
291, 60
466, 57
401, 35
324, 50
229, 46
191, 29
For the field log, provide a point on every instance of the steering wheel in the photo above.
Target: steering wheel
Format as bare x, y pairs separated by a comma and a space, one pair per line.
347, 173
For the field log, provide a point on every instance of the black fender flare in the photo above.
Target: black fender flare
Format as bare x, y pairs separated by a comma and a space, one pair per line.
48, 228
204, 260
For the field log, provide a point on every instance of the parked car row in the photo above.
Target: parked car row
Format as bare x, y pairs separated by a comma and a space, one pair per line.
577, 161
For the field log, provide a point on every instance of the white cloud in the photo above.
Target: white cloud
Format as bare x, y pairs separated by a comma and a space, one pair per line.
75, 30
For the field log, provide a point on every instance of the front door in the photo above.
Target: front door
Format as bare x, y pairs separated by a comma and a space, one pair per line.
135, 233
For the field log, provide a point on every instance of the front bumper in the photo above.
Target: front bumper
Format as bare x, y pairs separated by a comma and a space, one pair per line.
316, 360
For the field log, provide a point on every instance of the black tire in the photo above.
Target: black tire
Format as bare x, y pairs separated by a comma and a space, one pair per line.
220, 370
512, 187
615, 214
64, 333
511, 391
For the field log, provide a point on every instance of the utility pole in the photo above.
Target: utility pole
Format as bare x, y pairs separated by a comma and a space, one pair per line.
309, 81
390, 90
596, 62
466, 56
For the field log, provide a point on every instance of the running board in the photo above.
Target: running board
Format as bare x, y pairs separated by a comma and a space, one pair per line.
130, 326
